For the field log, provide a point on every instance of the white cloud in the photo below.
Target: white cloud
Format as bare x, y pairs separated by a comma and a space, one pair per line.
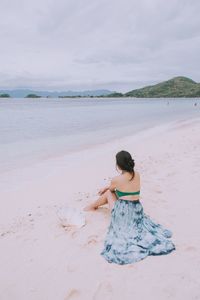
121, 45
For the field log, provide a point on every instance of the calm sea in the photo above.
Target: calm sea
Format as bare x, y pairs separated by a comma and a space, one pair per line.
35, 129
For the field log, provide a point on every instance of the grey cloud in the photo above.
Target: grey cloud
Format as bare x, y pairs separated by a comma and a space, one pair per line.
91, 44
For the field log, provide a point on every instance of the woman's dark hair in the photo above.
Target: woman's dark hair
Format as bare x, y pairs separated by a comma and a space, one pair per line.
125, 162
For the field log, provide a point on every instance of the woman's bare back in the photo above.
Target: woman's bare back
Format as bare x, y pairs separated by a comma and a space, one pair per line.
124, 184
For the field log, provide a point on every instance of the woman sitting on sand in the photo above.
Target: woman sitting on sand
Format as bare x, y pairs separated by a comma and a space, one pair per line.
131, 235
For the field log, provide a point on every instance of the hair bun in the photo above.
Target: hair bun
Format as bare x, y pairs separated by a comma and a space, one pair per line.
131, 162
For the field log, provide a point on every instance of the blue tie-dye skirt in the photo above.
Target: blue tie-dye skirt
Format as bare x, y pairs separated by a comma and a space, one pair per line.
132, 235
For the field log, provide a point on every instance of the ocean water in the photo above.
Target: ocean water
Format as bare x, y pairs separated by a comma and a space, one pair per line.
32, 130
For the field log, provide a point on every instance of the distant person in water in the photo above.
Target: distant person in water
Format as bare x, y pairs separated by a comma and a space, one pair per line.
131, 235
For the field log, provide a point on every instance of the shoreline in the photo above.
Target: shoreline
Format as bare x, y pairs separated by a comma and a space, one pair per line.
143, 132
43, 250
25, 142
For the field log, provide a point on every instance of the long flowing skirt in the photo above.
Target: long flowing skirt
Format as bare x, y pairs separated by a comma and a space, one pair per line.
132, 235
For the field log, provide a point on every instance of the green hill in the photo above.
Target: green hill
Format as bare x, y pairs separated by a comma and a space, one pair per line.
175, 87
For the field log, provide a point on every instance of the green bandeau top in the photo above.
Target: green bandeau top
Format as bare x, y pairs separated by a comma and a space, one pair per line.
119, 193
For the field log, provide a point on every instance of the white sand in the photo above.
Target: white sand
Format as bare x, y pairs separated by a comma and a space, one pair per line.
40, 260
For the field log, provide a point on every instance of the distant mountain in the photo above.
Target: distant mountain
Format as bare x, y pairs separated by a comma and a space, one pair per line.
175, 87
21, 93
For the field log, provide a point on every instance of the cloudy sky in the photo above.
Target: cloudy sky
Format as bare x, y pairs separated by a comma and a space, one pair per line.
90, 44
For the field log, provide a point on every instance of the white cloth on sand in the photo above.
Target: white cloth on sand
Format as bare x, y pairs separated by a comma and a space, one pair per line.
70, 216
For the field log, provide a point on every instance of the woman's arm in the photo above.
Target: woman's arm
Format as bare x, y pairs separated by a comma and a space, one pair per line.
110, 187
103, 190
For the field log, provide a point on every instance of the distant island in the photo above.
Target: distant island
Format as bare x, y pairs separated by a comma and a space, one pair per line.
177, 87
32, 96
27, 93
4, 95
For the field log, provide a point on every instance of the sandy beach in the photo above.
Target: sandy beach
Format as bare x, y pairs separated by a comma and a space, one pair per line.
41, 260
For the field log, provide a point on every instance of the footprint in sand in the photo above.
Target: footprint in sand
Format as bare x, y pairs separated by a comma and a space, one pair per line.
104, 291
74, 234
190, 249
71, 268
72, 295
79, 199
6, 232
17, 226
92, 240
158, 191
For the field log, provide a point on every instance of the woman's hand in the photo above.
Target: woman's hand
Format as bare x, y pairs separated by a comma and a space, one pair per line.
103, 190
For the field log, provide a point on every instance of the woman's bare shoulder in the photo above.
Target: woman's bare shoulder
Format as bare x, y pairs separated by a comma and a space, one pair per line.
113, 182
116, 179
137, 174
